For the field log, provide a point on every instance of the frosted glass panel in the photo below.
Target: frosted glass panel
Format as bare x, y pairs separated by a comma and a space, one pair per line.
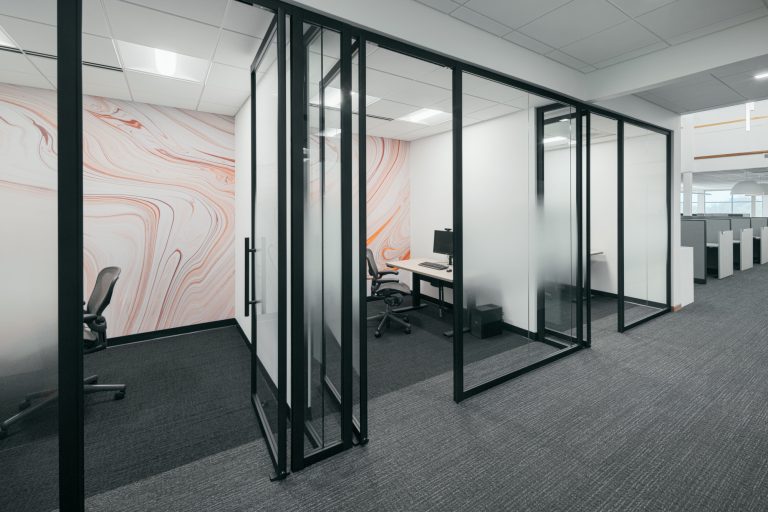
645, 223
29, 276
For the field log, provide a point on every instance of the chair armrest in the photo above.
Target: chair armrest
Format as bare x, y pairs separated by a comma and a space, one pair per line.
89, 317
389, 272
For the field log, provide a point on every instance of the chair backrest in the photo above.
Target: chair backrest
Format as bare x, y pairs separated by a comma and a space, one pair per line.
372, 268
102, 290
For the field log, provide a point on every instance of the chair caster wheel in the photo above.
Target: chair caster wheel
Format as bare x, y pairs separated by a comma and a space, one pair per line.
119, 395
408, 330
377, 334
23, 405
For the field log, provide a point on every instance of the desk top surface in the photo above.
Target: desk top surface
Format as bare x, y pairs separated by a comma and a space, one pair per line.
412, 265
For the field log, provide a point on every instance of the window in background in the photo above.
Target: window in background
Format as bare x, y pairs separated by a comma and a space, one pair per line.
721, 201
717, 201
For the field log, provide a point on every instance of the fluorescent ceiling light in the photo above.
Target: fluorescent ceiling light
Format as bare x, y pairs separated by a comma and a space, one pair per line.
760, 76
5, 39
550, 140
156, 61
428, 116
333, 99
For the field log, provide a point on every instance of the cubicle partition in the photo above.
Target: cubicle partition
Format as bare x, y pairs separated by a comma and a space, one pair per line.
743, 240
719, 247
693, 233
759, 225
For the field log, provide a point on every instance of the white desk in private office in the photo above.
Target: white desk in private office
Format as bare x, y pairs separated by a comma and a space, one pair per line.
440, 278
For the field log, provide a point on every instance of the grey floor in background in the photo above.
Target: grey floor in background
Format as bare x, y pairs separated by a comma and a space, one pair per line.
669, 416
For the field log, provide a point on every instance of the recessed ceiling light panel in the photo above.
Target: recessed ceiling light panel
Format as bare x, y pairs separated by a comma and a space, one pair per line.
156, 61
333, 99
5, 39
760, 76
427, 116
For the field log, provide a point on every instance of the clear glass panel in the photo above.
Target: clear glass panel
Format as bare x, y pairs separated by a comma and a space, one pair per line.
356, 276
266, 241
322, 239
604, 245
28, 263
645, 223
409, 184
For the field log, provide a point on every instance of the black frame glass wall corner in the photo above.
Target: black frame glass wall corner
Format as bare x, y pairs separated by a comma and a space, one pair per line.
291, 342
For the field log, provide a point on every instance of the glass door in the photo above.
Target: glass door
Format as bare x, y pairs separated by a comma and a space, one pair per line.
266, 252
321, 242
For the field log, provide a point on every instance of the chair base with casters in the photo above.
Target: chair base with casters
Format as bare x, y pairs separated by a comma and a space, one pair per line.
392, 294
35, 401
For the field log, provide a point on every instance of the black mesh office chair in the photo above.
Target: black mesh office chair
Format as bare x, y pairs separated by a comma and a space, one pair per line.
94, 339
391, 291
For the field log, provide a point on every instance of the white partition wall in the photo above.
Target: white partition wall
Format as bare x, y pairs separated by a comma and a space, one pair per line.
764, 245
747, 251
725, 254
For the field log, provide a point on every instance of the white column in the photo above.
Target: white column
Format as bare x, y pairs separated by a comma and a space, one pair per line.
687, 193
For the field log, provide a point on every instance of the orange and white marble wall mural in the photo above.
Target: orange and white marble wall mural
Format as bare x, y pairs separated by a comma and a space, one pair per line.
389, 199
158, 201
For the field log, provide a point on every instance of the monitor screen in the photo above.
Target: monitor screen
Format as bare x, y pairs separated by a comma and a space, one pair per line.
443, 242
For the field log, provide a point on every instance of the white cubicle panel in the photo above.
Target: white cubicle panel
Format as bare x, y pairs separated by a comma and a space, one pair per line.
764, 245
747, 254
725, 254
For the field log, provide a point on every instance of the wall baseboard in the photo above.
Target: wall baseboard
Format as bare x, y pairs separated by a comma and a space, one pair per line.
174, 331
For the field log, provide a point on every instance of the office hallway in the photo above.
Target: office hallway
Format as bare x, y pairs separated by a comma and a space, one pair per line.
670, 415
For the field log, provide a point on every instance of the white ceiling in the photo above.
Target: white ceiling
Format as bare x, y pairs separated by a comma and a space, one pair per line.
587, 35
725, 180
224, 33
719, 87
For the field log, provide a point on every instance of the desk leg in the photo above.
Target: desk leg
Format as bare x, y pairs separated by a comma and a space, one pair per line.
416, 291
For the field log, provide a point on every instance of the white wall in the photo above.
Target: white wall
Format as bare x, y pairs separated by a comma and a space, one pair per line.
499, 206
604, 216
638, 108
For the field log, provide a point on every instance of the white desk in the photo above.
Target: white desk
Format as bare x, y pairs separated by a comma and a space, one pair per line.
440, 278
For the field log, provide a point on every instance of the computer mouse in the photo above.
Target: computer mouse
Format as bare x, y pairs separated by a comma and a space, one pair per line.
449, 270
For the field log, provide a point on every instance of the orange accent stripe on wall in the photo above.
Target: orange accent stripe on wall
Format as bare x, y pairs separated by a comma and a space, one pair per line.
732, 121
727, 155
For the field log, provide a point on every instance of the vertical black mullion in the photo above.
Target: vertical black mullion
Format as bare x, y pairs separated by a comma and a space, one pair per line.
588, 232
670, 148
362, 198
70, 254
579, 234
250, 283
458, 240
540, 297
298, 143
620, 221
282, 272
346, 238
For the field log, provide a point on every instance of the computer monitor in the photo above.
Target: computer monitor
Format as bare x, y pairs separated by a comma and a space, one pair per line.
443, 243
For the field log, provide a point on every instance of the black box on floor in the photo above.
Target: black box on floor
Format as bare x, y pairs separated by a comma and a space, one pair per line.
486, 321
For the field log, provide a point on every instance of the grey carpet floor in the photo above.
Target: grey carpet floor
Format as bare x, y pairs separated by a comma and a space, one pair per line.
668, 416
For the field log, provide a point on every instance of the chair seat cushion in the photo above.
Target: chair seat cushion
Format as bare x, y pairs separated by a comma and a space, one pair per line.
387, 289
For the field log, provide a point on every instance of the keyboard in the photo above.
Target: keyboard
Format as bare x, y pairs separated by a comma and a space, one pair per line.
436, 266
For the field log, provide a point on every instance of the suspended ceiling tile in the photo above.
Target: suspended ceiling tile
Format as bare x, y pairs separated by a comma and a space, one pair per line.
246, 19
746, 85
106, 83
401, 65
699, 92
389, 109
574, 21
216, 108
224, 96
530, 43
48, 67
155, 29
30, 35
446, 6
493, 112
480, 21
16, 69
236, 49
163, 91
660, 45
94, 20
636, 8
99, 50
204, 11
613, 42
41, 11
686, 19
514, 13
568, 60
230, 77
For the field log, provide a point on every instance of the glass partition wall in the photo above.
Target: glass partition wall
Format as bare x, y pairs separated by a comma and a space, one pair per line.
31, 175
644, 239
